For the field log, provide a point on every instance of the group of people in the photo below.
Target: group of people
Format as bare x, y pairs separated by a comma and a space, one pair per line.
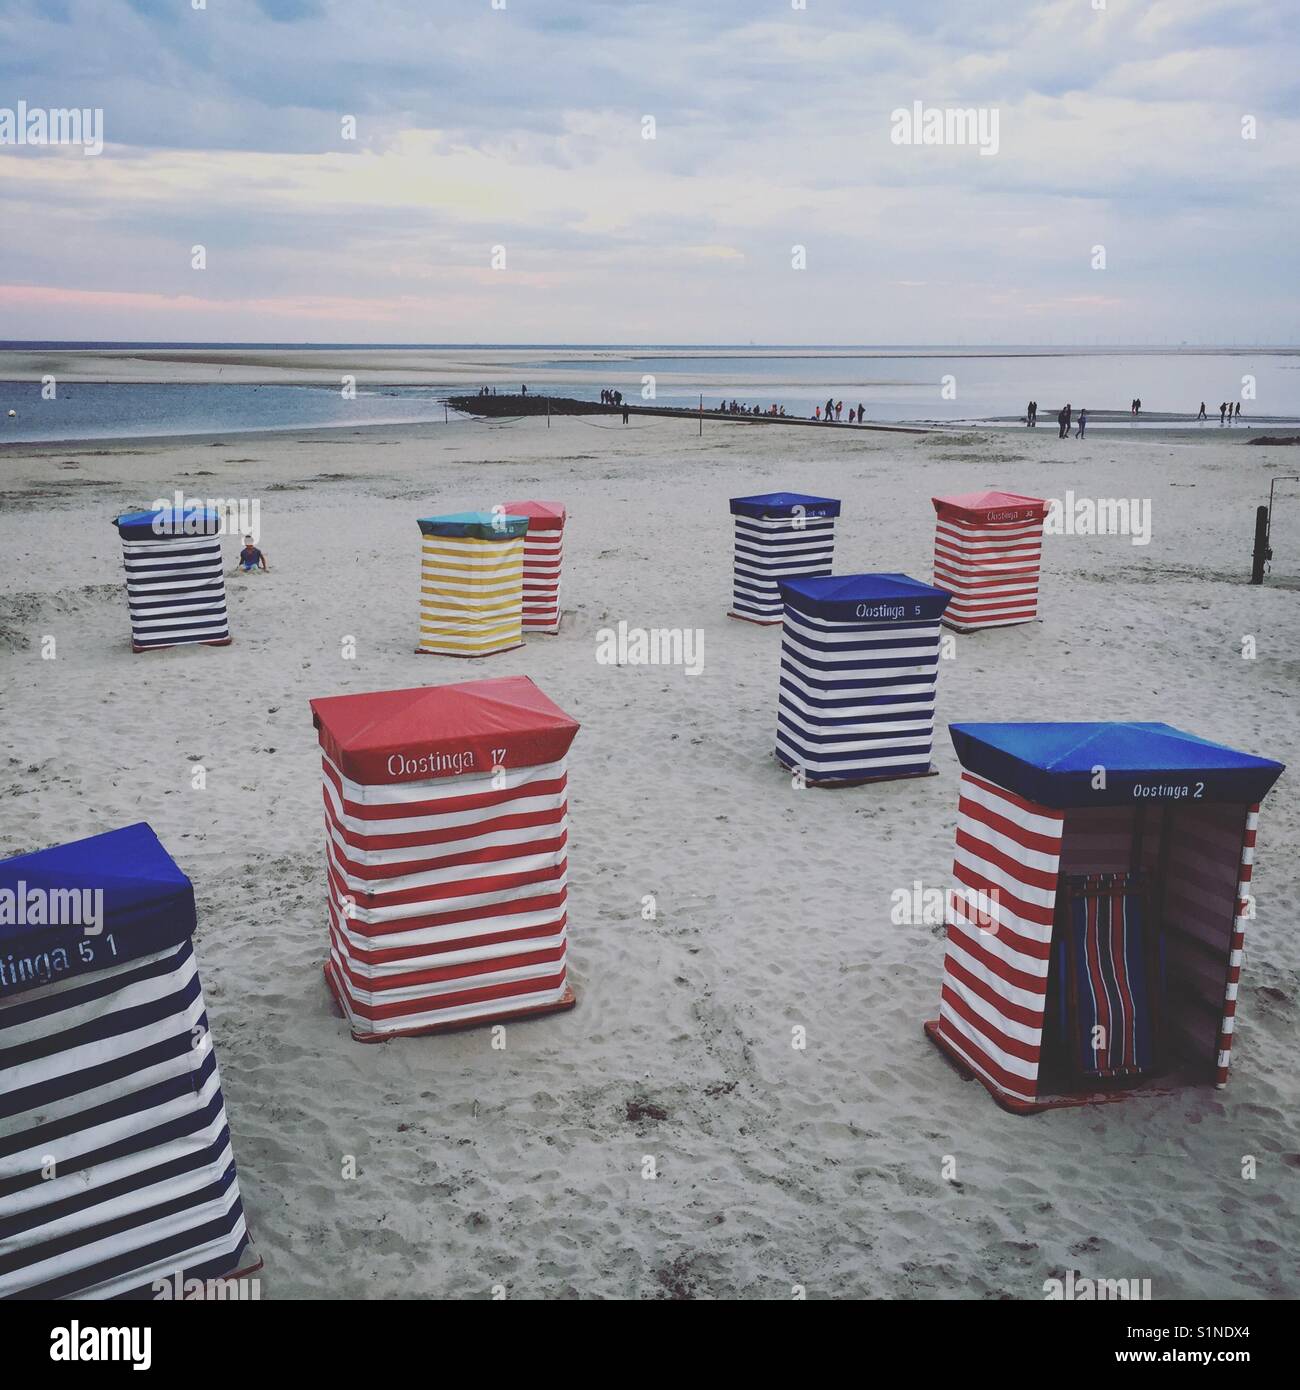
831, 413
744, 408
834, 410
1063, 420
1228, 412
611, 397
1064, 417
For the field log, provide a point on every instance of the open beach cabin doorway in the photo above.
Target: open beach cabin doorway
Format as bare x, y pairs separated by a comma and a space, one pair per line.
1096, 925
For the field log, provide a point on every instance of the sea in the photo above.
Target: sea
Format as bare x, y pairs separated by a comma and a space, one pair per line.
982, 387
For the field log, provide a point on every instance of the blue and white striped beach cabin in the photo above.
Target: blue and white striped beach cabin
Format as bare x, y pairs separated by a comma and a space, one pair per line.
116, 1170
779, 535
859, 664
175, 584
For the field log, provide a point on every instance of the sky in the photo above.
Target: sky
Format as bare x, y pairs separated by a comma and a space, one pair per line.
498, 185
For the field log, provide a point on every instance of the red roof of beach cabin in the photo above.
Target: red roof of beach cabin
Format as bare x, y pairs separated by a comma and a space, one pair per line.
442, 730
977, 506
542, 516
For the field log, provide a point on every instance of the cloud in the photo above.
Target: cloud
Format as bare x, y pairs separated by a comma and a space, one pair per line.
523, 127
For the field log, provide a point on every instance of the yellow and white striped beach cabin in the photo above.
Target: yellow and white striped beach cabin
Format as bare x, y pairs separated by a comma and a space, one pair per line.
471, 583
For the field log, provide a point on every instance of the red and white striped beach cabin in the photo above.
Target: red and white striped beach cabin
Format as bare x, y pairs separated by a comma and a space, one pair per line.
987, 548
1097, 919
543, 557
446, 819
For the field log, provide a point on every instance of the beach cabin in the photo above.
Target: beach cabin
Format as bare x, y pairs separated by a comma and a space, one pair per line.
175, 584
987, 549
543, 556
116, 1171
1096, 925
778, 535
446, 823
859, 666
471, 583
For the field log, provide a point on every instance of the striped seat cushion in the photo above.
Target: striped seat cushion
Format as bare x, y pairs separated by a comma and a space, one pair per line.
1104, 976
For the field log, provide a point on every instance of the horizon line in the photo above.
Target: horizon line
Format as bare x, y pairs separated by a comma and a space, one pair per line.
93, 344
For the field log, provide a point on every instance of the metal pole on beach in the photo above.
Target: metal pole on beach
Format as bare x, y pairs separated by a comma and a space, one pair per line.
701, 414
1261, 546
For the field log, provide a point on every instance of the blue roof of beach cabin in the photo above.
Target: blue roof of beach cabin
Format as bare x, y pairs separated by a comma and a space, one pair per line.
197, 520
1057, 764
778, 504
865, 598
147, 905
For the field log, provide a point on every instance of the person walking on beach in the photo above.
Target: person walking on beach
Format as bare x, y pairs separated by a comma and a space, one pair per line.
1137, 406
830, 408
1223, 405
861, 414
1063, 419
1083, 423
1238, 410
1029, 414
1201, 416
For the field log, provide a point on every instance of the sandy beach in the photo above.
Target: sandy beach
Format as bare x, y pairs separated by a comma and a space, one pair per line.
776, 1167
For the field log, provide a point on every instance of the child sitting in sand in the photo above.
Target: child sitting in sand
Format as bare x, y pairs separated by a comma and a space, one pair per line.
250, 558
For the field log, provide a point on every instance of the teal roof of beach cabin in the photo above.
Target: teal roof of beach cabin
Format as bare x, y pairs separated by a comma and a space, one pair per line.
484, 526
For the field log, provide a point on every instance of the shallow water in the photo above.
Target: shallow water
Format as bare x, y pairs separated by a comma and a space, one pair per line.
951, 385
